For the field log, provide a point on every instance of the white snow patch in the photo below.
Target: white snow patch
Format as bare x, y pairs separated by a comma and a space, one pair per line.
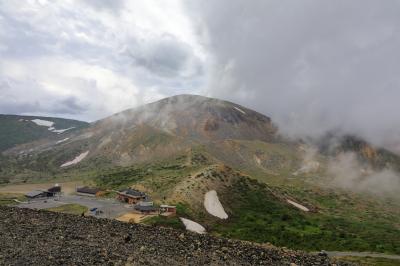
193, 226
49, 124
213, 205
77, 159
59, 131
43, 123
60, 141
297, 205
240, 110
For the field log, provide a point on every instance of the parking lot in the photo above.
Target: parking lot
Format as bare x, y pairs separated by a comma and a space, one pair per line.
110, 208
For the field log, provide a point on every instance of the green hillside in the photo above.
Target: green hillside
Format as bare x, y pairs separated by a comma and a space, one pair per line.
258, 211
15, 129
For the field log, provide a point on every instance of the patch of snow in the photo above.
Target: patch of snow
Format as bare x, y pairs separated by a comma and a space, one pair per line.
49, 124
297, 205
240, 110
193, 226
60, 141
59, 131
43, 123
213, 205
77, 159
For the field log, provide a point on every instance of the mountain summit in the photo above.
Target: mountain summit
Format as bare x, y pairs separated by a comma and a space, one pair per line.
196, 117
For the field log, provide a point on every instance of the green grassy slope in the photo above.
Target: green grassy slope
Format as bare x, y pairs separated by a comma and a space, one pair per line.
70, 208
259, 212
258, 215
15, 129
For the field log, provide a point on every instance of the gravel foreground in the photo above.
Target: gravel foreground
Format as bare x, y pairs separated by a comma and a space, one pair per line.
30, 237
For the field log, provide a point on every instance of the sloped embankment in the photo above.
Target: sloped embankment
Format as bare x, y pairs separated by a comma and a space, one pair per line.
29, 237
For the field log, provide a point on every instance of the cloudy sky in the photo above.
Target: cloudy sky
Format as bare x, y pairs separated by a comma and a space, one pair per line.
312, 66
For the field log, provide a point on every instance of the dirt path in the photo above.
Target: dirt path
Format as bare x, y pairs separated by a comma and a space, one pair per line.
136, 217
67, 187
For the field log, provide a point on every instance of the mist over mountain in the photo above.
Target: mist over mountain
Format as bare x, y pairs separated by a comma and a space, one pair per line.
313, 67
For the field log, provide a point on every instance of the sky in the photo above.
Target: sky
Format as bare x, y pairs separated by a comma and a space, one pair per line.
312, 66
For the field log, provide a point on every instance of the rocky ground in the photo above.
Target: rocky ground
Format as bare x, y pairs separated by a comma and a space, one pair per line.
29, 237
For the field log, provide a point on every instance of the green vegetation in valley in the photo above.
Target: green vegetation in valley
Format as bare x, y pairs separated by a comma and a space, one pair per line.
258, 212
70, 208
257, 215
173, 222
160, 176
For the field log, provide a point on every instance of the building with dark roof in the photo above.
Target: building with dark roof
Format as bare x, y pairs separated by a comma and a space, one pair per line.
39, 193
145, 209
131, 196
35, 194
87, 191
55, 189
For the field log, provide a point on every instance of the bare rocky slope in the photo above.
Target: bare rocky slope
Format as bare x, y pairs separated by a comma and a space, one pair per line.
29, 237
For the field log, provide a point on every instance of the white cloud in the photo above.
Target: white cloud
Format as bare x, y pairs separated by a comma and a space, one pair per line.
99, 90
104, 55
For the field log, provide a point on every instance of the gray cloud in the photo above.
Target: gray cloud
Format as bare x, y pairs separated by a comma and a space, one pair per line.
165, 56
13, 100
69, 105
114, 5
312, 66
70, 58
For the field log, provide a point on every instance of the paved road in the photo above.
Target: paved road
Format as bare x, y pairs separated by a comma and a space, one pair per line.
110, 207
361, 254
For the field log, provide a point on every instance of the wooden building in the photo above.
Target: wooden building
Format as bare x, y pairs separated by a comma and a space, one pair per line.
131, 196
87, 191
36, 194
55, 189
145, 209
167, 210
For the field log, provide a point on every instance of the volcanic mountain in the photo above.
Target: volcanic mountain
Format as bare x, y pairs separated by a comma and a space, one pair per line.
157, 130
191, 150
